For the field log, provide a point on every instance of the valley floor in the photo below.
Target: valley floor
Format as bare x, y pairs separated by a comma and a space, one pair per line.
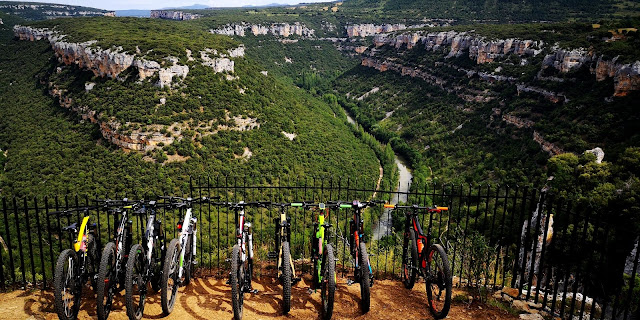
210, 298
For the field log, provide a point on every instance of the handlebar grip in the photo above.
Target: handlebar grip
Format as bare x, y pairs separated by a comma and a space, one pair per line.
390, 206
442, 208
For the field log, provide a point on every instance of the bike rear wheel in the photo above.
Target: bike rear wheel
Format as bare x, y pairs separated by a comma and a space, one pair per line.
287, 278
236, 280
169, 285
135, 283
328, 282
107, 281
438, 282
409, 260
68, 290
365, 280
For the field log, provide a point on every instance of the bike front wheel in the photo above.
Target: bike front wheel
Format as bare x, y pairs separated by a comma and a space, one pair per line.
107, 281
286, 278
67, 286
169, 284
135, 283
328, 287
365, 280
236, 280
438, 282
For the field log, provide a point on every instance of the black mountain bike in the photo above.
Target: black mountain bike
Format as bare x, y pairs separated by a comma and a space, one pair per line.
362, 268
241, 272
420, 257
144, 265
286, 269
111, 274
75, 266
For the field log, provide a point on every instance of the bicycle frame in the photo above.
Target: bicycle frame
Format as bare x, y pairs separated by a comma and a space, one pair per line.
284, 234
153, 230
185, 233
242, 227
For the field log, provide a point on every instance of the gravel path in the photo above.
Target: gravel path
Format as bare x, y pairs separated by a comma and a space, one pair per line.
209, 298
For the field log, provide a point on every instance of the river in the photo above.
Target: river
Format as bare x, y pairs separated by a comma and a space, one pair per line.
404, 182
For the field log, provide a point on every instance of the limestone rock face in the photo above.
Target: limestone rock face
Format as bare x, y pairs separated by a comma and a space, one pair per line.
173, 15
277, 29
218, 64
626, 76
598, 152
566, 60
102, 62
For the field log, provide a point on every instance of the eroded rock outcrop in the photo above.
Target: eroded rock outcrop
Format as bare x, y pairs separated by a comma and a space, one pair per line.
478, 48
547, 146
102, 62
626, 76
173, 15
276, 29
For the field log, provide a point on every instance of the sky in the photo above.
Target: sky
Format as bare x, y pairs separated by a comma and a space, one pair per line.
157, 4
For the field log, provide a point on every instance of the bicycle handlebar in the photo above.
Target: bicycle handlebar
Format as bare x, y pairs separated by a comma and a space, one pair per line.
417, 207
238, 205
67, 212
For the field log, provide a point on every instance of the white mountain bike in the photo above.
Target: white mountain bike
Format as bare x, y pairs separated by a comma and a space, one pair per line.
180, 258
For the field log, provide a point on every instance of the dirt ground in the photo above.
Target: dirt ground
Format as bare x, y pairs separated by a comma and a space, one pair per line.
209, 298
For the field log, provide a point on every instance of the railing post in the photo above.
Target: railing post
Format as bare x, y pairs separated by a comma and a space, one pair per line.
22, 269
44, 272
9, 246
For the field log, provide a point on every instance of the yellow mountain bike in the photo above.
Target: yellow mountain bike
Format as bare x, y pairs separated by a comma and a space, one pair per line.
75, 266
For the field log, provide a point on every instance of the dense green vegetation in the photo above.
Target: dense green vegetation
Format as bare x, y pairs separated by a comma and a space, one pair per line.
38, 135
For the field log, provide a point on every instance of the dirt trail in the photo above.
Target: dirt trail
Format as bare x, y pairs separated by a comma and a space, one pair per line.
209, 298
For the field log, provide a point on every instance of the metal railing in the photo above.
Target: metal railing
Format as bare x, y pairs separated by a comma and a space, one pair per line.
545, 248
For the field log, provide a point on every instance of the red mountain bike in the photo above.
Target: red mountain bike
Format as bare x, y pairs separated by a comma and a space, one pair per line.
431, 263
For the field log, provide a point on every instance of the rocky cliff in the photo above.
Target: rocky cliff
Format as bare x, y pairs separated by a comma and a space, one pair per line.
173, 15
370, 29
479, 49
482, 50
111, 62
626, 76
276, 29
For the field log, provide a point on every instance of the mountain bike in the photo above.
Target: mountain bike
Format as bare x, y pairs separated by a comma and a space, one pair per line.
362, 268
241, 272
431, 263
322, 259
181, 253
111, 274
75, 266
286, 269
144, 266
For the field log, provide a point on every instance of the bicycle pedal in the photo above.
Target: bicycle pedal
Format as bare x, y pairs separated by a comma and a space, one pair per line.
228, 281
272, 255
350, 282
310, 291
253, 291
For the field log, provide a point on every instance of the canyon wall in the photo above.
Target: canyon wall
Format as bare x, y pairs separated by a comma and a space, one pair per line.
276, 29
111, 62
481, 50
173, 15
